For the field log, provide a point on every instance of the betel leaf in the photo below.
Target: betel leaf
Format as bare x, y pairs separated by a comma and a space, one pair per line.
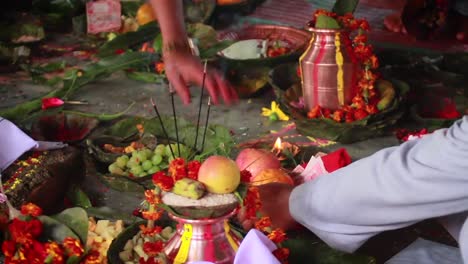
343, 7
76, 219
78, 197
326, 22
55, 230
214, 49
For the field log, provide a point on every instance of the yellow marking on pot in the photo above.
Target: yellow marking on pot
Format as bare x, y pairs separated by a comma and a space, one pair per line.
227, 230
339, 74
182, 255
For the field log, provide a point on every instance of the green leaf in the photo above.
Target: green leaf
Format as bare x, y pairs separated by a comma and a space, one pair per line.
127, 40
73, 260
76, 219
147, 77
78, 197
326, 22
101, 117
157, 44
55, 230
343, 7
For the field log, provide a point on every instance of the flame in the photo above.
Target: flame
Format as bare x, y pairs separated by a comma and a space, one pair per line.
278, 145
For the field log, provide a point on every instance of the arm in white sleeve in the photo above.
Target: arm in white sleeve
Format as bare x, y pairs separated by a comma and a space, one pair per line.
391, 189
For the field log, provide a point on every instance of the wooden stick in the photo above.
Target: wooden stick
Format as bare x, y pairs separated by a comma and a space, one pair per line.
175, 119
162, 126
206, 123
200, 105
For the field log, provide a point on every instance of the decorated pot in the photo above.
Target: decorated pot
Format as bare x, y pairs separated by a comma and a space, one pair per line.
202, 240
328, 69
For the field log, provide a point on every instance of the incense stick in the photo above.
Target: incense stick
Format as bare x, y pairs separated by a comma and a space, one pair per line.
175, 119
200, 105
162, 126
206, 123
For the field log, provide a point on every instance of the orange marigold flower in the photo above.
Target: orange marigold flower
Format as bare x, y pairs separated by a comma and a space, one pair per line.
31, 209
252, 203
192, 169
315, 112
153, 248
73, 246
349, 117
360, 39
177, 169
277, 236
153, 216
36, 253
159, 67
371, 109
54, 253
23, 232
93, 257
281, 254
372, 62
326, 113
147, 231
163, 181
152, 198
263, 223
363, 24
358, 102
338, 115
360, 114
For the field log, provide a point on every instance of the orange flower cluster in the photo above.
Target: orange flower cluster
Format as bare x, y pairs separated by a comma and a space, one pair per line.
365, 101
252, 205
179, 169
24, 247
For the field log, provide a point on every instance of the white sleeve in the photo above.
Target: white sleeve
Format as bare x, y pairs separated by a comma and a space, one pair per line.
393, 188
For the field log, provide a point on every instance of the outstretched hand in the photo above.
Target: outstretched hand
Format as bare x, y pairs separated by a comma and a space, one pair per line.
275, 204
182, 69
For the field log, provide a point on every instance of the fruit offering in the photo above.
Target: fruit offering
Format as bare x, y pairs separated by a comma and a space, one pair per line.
101, 233
134, 249
145, 162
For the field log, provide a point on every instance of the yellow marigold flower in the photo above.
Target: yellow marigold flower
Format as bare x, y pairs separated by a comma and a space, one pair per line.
275, 112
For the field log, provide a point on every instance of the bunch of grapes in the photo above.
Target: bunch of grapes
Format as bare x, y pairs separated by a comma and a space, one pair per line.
145, 162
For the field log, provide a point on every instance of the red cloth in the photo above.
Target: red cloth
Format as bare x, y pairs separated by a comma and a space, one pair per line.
337, 159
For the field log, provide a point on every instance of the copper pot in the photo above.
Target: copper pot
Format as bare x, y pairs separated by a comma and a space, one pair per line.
328, 68
208, 240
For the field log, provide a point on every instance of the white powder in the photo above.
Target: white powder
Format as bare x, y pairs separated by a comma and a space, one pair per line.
208, 200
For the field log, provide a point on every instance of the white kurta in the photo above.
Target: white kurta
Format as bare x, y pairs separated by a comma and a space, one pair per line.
394, 188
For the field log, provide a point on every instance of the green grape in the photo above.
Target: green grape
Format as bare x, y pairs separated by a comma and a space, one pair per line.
156, 159
146, 165
124, 157
153, 169
160, 149
147, 152
141, 156
132, 163
134, 153
136, 170
114, 169
168, 150
121, 161
142, 174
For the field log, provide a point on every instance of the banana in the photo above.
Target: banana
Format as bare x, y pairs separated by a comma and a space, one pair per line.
387, 94
189, 188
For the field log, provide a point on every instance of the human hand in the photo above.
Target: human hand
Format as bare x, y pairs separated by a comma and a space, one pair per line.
182, 68
275, 204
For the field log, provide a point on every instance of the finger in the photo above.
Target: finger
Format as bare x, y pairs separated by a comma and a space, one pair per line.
180, 86
226, 91
212, 88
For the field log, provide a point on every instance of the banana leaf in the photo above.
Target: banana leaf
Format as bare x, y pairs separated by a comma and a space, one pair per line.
122, 184
75, 79
128, 40
78, 197
287, 89
111, 214
55, 230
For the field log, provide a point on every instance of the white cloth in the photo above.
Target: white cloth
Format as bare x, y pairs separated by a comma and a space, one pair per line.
394, 188
14, 143
424, 251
